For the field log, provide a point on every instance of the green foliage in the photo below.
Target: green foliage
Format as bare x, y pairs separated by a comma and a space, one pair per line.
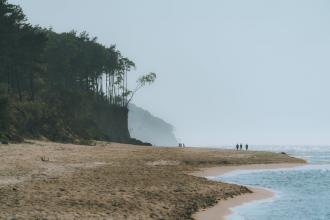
147, 79
63, 86
142, 81
4, 111
86, 142
4, 115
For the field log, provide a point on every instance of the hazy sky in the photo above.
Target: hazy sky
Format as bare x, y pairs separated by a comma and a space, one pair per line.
228, 71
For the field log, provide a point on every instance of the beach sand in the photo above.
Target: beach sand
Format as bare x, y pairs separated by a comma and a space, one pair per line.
218, 171
46, 180
223, 209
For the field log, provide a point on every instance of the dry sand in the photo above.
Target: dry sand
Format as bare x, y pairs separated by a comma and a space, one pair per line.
223, 209
45, 180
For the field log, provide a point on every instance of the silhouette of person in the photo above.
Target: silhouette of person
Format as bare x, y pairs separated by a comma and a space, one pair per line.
246, 147
237, 146
240, 146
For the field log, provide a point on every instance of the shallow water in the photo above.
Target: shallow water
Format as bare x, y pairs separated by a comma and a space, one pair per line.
300, 193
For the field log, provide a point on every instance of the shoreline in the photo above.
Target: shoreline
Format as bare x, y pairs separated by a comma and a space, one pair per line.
135, 182
223, 208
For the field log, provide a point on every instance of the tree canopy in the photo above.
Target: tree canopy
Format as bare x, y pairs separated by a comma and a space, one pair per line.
68, 76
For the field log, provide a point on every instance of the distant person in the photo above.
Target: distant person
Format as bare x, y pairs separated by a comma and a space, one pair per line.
241, 146
246, 147
180, 145
237, 146
183, 145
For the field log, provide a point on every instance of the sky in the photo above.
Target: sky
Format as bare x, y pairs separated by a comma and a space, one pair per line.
228, 71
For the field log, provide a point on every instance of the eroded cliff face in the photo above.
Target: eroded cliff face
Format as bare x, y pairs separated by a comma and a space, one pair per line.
146, 127
112, 121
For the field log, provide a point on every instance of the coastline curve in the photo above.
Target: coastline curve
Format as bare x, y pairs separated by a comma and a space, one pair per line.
224, 207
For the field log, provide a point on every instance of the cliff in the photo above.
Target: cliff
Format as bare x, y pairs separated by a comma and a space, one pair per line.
149, 128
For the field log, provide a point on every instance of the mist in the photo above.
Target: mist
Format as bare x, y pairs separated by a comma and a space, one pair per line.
228, 71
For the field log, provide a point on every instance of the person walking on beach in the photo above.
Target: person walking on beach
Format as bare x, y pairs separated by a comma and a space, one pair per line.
240, 146
237, 146
246, 147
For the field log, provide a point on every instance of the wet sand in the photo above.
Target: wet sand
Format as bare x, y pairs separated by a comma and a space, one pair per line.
223, 209
218, 171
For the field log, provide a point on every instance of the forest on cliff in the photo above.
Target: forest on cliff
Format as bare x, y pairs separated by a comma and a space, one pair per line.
61, 86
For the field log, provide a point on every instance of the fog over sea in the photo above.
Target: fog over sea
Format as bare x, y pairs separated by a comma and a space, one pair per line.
301, 193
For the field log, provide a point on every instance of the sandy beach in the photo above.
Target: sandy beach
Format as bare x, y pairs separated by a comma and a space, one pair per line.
47, 180
223, 209
218, 171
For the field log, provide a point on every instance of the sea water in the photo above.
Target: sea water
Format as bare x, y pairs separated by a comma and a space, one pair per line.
301, 193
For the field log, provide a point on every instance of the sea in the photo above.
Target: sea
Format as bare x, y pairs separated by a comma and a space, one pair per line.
301, 193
